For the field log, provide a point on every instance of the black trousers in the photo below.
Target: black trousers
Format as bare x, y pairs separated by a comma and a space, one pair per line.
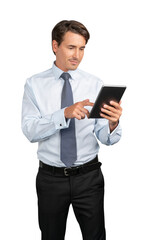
84, 191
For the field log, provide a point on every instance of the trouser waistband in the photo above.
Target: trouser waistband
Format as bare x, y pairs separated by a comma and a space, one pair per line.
64, 171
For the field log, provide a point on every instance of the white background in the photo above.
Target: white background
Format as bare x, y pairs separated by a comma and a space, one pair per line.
115, 53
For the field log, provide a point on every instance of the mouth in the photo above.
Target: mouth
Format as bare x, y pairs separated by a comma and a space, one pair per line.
74, 61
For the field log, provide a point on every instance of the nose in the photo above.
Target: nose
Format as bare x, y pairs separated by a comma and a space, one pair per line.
76, 53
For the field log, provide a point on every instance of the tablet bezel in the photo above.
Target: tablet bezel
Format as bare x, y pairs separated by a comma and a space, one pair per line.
106, 94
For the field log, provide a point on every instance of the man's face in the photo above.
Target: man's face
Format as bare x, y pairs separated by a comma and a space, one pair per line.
70, 52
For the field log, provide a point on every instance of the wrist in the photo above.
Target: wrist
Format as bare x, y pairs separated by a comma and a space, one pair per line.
113, 125
65, 113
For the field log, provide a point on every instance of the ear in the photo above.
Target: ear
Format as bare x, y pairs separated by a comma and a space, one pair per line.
54, 46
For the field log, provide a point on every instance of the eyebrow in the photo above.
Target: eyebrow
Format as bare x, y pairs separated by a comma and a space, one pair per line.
75, 46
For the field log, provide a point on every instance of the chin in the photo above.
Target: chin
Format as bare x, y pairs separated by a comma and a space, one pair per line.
73, 67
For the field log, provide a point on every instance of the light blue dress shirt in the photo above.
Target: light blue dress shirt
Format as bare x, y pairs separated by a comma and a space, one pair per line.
43, 118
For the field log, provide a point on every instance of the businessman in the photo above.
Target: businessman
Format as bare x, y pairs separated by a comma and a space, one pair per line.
56, 106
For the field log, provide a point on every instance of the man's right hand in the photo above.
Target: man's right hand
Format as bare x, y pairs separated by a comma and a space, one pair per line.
77, 110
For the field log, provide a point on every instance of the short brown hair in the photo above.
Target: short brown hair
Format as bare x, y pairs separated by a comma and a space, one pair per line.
64, 26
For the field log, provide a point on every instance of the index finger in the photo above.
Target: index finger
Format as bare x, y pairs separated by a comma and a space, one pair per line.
87, 103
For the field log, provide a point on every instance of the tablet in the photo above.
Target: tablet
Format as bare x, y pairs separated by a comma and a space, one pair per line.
106, 94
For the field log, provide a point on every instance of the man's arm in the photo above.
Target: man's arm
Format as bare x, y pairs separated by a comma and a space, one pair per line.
108, 129
103, 133
36, 127
113, 112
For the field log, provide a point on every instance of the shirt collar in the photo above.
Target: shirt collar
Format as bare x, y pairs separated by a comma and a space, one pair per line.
57, 72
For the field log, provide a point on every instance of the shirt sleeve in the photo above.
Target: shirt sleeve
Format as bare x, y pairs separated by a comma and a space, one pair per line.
103, 134
36, 127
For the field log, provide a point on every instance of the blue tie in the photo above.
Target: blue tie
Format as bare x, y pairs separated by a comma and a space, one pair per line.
68, 139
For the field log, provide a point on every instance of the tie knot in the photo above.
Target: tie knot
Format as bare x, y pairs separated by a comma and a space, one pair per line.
65, 76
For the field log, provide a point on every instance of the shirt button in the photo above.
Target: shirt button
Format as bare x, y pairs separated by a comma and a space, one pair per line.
60, 125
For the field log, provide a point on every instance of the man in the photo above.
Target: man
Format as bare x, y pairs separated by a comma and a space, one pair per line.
55, 112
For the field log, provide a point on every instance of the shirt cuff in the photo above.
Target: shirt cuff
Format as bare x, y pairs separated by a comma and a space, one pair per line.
115, 135
60, 120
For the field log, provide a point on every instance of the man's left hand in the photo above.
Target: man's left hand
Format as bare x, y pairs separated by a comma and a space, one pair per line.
113, 113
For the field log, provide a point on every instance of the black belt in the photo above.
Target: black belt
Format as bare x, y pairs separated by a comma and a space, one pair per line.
64, 171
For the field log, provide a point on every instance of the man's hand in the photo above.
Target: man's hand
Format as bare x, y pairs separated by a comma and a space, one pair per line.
77, 110
114, 112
